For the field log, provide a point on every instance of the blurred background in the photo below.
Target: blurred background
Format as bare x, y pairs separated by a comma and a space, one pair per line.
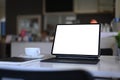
35, 20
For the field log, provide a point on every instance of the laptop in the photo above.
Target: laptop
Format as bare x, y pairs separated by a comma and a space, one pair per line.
76, 43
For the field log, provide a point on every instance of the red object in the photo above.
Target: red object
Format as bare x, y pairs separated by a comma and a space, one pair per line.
93, 21
23, 32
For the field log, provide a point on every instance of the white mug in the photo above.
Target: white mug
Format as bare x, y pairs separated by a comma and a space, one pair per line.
33, 52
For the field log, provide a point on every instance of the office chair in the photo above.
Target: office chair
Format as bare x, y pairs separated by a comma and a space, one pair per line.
7, 74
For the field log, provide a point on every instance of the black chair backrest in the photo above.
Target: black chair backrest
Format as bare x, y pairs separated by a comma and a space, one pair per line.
45, 75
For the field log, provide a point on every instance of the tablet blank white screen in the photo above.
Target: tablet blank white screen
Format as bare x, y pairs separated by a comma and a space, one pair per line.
81, 39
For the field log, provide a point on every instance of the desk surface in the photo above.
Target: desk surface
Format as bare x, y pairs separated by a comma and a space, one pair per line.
108, 66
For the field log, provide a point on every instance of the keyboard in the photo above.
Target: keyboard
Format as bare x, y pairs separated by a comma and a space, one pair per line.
76, 61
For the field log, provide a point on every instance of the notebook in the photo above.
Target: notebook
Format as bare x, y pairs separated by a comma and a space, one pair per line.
16, 60
76, 43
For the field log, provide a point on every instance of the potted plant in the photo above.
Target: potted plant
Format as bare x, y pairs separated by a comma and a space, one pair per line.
118, 45
118, 39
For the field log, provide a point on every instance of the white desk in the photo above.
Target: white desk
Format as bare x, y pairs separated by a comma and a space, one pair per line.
108, 67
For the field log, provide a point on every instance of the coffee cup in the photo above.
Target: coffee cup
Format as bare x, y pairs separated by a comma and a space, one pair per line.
32, 52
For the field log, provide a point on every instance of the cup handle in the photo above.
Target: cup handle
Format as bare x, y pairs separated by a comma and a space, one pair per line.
38, 52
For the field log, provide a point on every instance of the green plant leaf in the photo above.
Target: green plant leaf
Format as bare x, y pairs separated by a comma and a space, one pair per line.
118, 39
